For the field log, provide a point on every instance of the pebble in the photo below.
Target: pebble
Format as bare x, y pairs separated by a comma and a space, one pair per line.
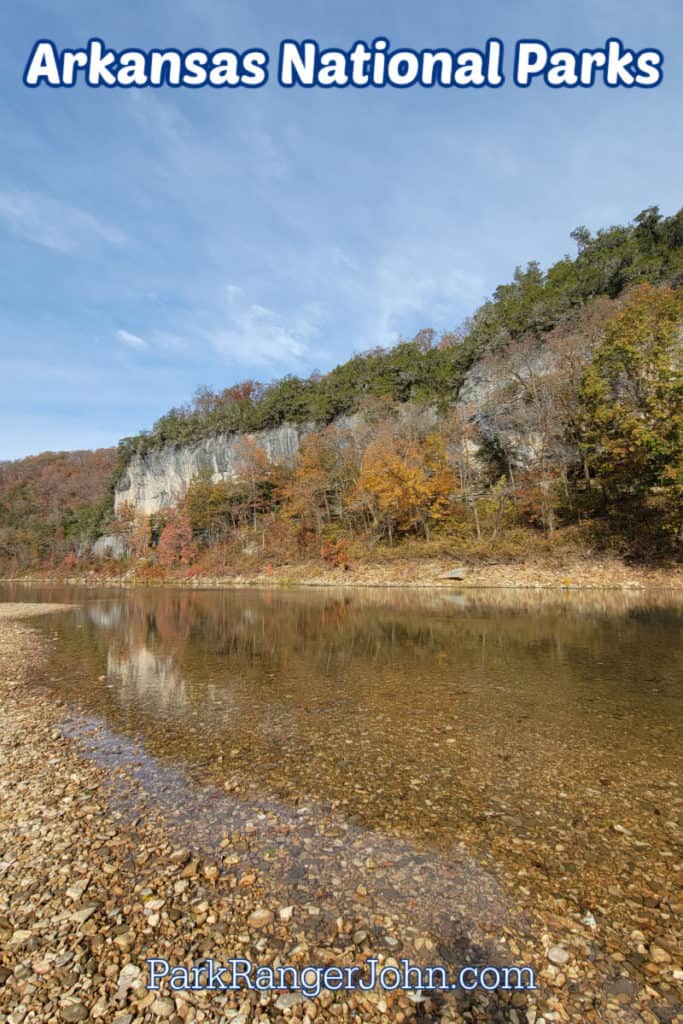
75, 891
260, 917
288, 999
74, 1012
163, 1007
502, 885
81, 916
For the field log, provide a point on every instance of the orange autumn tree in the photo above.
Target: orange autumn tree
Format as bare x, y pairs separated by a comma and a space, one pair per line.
176, 544
253, 474
405, 484
134, 529
208, 504
326, 470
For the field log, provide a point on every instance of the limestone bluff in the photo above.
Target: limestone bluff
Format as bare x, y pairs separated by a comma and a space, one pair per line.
156, 479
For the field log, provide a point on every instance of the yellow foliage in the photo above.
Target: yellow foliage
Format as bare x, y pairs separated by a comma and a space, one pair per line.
407, 483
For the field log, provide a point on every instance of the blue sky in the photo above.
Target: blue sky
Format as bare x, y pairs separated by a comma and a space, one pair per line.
153, 241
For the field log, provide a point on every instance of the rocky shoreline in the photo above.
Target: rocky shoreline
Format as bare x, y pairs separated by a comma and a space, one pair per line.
407, 573
88, 892
89, 889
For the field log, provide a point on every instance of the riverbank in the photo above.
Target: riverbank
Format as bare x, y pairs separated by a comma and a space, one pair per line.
586, 573
96, 878
89, 891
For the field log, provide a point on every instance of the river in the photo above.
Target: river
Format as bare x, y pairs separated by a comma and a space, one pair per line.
482, 769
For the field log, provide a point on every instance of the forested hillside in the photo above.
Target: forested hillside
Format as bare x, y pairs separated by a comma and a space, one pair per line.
431, 369
53, 504
556, 413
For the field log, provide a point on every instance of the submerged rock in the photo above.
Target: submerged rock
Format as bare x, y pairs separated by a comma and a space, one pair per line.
260, 918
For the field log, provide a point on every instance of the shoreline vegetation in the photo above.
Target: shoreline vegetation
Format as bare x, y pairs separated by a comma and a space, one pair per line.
574, 574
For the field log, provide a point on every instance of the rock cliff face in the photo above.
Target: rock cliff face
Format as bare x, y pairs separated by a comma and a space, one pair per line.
155, 480
495, 392
491, 375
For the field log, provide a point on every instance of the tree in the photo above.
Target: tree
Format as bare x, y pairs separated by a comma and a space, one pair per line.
176, 545
253, 473
581, 236
647, 224
209, 507
406, 484
326, 470
632, 397
462, 445
134, 529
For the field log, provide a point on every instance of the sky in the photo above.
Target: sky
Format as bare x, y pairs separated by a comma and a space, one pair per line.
160, 240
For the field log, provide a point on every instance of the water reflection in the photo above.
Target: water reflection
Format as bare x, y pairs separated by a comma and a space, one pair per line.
473, 761
415, 713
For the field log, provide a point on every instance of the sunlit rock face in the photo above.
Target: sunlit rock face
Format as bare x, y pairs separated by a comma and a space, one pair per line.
157, 479
493, 385
485, 378
507, 394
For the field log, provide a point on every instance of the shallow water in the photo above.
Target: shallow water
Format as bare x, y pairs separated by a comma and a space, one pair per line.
474, 761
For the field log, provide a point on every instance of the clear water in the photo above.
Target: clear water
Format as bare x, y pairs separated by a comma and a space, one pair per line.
461, 763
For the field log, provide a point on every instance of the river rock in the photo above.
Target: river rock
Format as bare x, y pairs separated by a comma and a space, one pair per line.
260, 918
19, 938
74, 1012
75, 891
81, 916
163, 1007
288, 999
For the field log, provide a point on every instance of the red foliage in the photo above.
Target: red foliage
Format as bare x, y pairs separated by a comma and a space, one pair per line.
70, 561
176, 545
336, 554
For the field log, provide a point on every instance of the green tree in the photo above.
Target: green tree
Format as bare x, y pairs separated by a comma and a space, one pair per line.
208, 505
632, 396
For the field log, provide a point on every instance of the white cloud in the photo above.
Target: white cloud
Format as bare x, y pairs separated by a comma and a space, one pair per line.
132, 340
53, 224
259, 335
186, 150
420, 284
224, 320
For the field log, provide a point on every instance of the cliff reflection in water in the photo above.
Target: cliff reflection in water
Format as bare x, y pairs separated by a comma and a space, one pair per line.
420, 714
